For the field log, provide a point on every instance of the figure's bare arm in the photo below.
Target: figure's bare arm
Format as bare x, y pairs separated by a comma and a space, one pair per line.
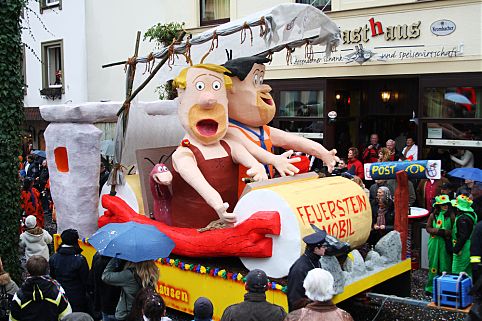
242, 156
283, 163
290, 141
185, 164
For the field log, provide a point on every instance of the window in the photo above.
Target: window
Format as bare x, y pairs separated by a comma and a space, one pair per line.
301, 111
452, 102
214, 12
52, 64
324, 5
50, 4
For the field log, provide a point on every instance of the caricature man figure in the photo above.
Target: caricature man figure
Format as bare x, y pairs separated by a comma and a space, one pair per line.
206, 163
251, 108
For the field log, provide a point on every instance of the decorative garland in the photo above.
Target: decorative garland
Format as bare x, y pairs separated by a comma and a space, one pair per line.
215, 272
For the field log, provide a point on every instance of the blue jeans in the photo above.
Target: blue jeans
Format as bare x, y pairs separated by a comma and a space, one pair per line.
107, 317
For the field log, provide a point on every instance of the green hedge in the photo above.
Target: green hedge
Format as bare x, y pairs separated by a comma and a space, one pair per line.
11, 120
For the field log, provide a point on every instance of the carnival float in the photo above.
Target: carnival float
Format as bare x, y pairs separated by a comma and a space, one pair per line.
209, 141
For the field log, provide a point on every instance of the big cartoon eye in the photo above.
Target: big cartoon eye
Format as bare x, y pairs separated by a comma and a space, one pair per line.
216, 85
261, 79
256, 79
164, 168
200, 85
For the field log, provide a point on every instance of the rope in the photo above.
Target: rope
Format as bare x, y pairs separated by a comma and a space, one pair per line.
243, 33
289, 51
149, 63
132, 61
309, 52
214, 39
262, 27
170, 53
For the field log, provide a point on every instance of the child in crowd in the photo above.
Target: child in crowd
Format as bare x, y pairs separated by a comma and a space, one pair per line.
35, 240
439, 226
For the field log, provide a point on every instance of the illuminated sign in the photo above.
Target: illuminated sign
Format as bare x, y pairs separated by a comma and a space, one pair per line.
415, 169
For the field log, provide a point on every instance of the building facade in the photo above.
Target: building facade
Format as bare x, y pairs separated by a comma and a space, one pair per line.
403, 67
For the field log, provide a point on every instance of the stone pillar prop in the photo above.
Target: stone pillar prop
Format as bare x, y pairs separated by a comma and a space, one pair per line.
73, 154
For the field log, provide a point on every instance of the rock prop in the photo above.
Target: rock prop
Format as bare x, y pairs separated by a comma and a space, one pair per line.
390, 247
373, 260
354, 264
330, 263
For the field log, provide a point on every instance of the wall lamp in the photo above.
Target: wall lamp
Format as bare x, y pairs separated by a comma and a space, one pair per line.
385, 95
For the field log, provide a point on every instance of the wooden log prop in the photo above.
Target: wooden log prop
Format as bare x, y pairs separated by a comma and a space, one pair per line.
335, 204
245, 239
401, 209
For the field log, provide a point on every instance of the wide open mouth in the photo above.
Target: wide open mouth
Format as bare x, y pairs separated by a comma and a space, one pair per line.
267, 100
207, 127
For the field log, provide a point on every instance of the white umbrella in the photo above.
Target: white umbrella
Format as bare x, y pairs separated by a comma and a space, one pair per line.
457, 98
107, 147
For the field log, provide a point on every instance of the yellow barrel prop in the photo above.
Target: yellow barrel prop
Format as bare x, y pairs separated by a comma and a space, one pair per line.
334, 204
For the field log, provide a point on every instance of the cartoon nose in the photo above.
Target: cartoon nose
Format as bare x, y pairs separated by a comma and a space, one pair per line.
208, 101
265, 88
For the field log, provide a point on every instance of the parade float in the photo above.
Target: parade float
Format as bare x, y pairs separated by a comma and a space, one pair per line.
260, 225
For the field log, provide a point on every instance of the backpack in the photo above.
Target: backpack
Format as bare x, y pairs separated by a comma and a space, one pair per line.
5, 300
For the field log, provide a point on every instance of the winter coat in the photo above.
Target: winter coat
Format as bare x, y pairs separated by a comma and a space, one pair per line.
70, 269
106, 296
296, 276
10, 286
129, 283
40, 298
319, 311
35, 241
254, 308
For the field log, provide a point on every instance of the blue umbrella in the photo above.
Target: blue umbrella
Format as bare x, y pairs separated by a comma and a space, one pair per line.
40, 153
474, 174
131, 241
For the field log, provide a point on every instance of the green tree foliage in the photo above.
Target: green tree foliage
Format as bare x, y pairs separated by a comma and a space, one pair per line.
163, 34
11, 119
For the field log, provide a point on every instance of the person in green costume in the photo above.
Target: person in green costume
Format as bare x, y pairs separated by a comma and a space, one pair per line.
461, 233
439, 226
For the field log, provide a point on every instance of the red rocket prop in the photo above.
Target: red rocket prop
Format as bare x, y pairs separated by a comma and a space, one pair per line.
247, 239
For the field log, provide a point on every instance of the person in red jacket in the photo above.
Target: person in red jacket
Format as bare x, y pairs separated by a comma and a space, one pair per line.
370, 153
354, 165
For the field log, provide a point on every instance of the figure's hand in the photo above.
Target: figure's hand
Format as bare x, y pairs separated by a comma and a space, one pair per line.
228, 218
376, 227
382, 227
284, 164
257, 172
330, 159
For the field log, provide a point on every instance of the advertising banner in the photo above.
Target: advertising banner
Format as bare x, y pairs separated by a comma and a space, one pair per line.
415, 169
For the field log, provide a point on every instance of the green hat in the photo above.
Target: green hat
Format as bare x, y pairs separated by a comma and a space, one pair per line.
441, 200
463, 203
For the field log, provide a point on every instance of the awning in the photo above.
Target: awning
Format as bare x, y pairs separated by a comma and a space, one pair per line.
32, 114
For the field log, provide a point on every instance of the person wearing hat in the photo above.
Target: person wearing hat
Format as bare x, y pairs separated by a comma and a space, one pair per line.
71, 270
439, 226
35, 239
465, 220
255, 307
203, 309
314, 250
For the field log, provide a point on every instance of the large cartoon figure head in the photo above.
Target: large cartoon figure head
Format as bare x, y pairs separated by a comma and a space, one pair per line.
203, 102
250, 101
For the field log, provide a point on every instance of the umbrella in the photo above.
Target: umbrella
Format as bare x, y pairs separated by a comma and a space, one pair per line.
473, 174
457, 98
131, 241
40, 153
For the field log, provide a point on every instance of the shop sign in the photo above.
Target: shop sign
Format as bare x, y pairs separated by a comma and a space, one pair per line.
442, 27
375, 29
414, 169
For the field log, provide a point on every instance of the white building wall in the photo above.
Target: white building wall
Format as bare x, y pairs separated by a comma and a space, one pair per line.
67, 24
